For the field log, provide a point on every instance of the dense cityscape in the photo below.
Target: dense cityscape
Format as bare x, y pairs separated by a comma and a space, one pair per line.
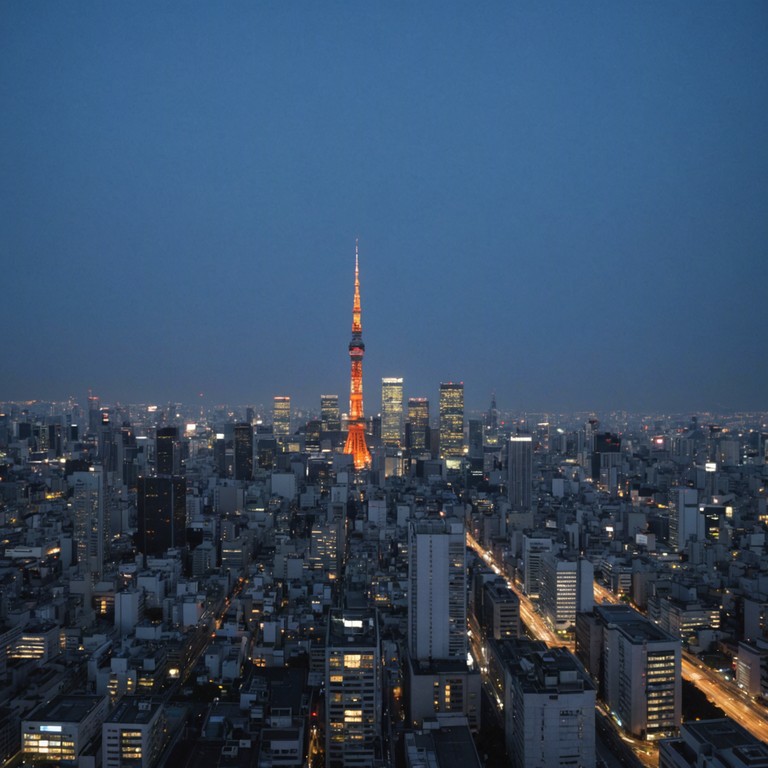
381, 384
184, 585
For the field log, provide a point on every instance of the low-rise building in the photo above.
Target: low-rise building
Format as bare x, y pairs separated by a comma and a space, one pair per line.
61, 730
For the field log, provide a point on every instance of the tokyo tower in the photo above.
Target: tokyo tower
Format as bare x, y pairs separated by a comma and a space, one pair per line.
356, 435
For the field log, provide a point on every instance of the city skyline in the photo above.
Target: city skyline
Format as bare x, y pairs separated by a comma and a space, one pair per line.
565, 206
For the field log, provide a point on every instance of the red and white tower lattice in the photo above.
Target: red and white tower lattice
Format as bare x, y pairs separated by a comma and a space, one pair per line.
356, 436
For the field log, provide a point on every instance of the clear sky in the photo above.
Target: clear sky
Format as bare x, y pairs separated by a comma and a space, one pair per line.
566, 203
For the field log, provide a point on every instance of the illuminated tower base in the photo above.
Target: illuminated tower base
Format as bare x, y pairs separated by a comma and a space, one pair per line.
356, 446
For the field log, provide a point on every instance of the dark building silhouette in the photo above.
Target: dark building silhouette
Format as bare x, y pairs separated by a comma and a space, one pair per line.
604, 443
107, 443
313, 430
220, 455
162, 508
243, 448
167, 451
417, 433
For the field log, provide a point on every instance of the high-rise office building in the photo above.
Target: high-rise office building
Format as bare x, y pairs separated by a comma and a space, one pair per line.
353, 690
451, 420
243, 451
637, 666
94, 414
567, 586
167, 451
520, 472
312, 435
475, 432
549, 709
606, 453
534, 549
498, 610
281, 417
437, 679
162, 514
686, 520
437, 593
417, 428
107, 442
91, 525
329, 413
355, 444
492, 417
392, 411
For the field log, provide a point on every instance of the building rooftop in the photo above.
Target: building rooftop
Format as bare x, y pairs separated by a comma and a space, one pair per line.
437, 666
352, 628
726, 734
135, 709
554, 670
66, 709
632, 624
500, 592
444, 747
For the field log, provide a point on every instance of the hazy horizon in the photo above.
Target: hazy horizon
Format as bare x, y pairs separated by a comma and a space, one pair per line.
564, 204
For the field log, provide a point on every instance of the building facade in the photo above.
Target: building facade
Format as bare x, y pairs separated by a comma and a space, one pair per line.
61, 730
437, 594
162, 515
392, 411
329, 413
243, 451
281, 417
417, 428
549, 710
91, 526
451, 420
353, 690
134, 733
641, 674
520, 472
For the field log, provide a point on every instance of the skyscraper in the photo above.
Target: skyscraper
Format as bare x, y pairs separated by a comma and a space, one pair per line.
566, 588
243, 451
640, 672
392, 411
451, 420
91, 532
520, 468
162, 514
329, 413
356, 435
281, 417
686, 521
437, 677
437, 593
549, 708
353, 690
417, 429
167, 451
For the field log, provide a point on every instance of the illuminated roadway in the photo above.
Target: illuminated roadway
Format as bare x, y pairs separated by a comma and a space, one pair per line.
728, 696
532, 620
646, 752
733, 701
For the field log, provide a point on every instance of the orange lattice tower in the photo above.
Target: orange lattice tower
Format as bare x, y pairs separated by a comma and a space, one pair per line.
356, 435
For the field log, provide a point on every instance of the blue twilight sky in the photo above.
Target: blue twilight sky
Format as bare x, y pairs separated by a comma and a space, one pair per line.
563, 202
